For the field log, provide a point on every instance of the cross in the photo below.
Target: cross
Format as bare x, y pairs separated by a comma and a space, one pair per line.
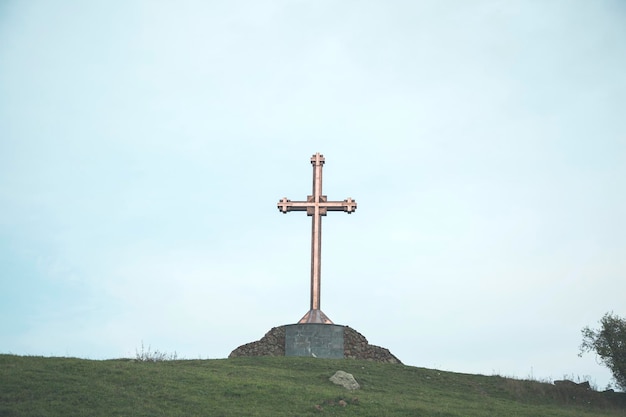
316, 205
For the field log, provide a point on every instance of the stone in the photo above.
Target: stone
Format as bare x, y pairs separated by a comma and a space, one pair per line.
345, 379
567, 383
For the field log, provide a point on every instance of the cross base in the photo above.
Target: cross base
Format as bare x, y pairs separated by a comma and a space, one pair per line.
315, 316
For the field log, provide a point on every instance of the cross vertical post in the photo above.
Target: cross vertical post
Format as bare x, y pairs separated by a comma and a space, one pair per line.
316, 206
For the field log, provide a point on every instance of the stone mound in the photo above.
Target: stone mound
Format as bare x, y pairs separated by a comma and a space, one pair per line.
355, 346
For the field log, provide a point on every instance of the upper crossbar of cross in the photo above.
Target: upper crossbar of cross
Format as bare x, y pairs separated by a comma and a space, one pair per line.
316, 205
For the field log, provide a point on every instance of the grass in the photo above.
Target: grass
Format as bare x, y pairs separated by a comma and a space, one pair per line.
276, 386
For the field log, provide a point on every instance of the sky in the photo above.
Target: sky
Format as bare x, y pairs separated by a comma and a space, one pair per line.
144, 146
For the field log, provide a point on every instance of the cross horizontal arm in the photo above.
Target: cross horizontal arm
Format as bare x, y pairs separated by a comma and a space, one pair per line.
348, 205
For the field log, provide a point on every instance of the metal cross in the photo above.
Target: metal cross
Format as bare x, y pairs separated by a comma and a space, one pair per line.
316, 205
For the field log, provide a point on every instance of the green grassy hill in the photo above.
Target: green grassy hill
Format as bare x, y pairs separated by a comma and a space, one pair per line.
276, 386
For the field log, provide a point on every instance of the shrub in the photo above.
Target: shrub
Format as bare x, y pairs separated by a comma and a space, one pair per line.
609, 344
149, 355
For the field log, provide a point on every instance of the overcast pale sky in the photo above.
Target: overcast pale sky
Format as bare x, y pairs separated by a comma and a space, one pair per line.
144, 146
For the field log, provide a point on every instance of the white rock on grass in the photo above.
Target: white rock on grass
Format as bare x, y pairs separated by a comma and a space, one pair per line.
345, 379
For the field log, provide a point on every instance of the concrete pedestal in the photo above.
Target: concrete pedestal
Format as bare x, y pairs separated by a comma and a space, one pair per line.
314, 340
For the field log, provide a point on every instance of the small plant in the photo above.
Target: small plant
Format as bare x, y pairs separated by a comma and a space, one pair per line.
149, 355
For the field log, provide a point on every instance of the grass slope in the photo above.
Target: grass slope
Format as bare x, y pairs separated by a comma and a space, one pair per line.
275, 386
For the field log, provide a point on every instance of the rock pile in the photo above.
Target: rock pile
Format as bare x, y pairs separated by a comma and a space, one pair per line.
355, 346
571, 384
272, 344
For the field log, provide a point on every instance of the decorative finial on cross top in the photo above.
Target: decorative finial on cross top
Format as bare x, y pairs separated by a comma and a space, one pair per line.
316, 205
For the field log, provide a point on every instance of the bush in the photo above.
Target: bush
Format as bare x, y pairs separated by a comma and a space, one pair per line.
609, 344
149, 355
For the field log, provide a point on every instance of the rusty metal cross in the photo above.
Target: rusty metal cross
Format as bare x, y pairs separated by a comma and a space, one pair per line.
316, 205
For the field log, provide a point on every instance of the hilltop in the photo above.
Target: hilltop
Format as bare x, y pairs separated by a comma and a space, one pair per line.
277, 386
